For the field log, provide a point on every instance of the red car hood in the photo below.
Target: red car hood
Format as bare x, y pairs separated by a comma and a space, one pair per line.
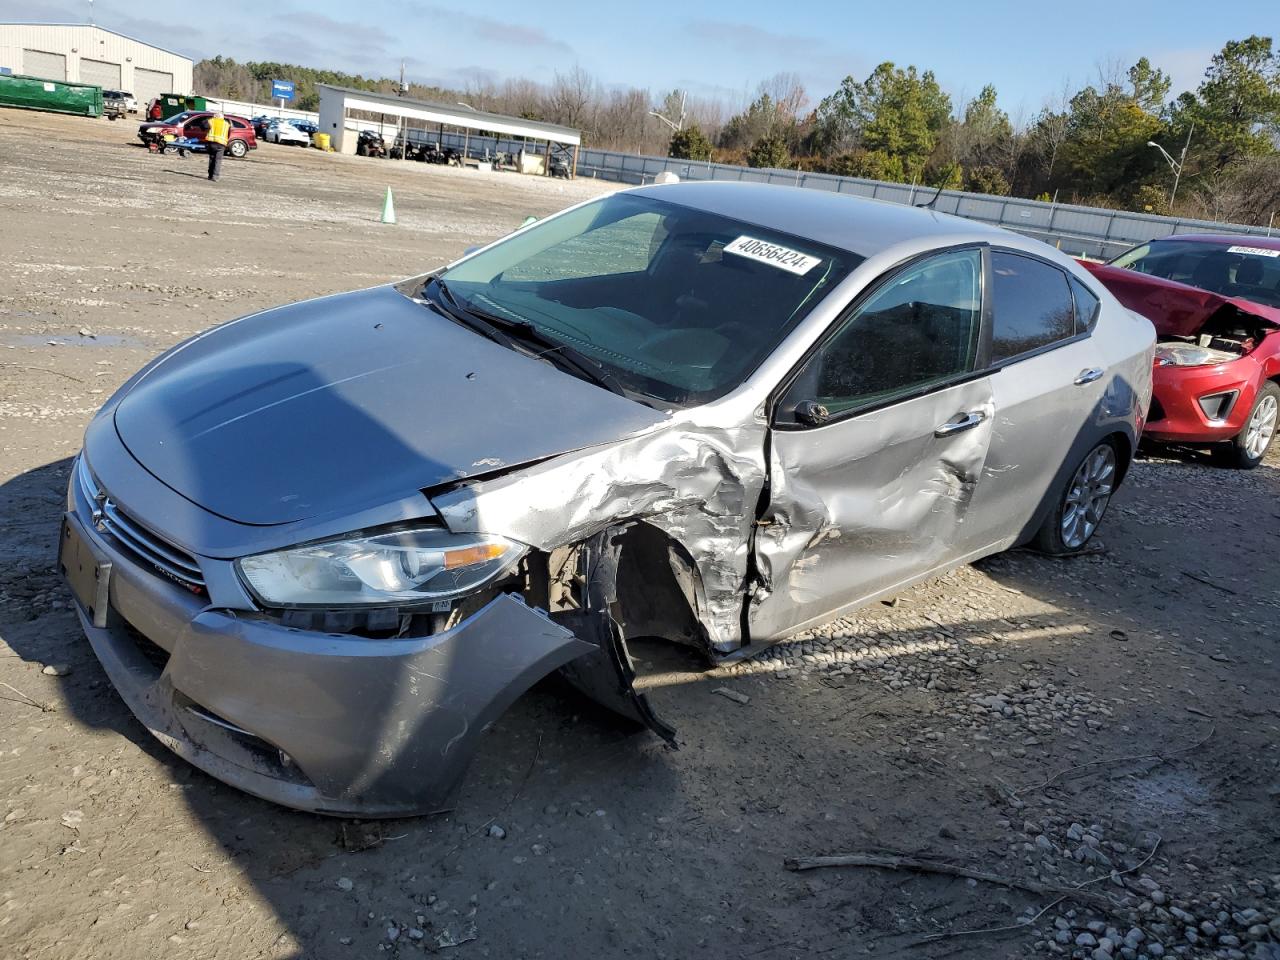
1175, 309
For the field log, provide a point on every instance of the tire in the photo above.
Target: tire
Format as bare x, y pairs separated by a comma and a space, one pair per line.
237, 149
1081, 503
1249, 447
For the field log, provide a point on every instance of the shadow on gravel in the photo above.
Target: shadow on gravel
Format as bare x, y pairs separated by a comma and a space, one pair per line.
570, 838
1184, 596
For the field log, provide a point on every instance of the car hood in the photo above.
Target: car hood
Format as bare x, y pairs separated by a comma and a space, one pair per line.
352, 401
1175, 309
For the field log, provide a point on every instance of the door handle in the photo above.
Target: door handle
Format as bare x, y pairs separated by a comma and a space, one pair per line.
1088, 376
960, 423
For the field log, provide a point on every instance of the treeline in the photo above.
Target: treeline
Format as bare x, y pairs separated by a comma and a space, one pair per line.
251, 82
1089, 145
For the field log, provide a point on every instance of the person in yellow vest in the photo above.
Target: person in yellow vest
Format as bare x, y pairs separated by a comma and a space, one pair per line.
215, 142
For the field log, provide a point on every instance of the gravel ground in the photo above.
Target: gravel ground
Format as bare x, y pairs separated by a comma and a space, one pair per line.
1095, 739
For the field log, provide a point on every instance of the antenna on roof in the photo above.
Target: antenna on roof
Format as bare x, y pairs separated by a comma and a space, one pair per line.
928, 204
90, 12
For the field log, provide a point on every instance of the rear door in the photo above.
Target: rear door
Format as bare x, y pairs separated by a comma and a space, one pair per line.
1048, 378
878, 447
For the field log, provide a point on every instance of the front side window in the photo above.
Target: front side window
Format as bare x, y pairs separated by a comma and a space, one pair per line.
919, 329
675, 303
1032, 306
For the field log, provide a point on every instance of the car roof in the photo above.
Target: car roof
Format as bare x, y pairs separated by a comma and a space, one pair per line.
1226, 239
857, 224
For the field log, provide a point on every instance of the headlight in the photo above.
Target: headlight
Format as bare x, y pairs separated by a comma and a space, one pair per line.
405, 567
1190, 355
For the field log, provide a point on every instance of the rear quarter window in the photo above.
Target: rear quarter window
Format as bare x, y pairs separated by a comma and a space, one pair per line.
1032, 304
1088, 306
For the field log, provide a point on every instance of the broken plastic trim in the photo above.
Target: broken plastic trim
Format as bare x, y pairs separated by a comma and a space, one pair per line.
606, 674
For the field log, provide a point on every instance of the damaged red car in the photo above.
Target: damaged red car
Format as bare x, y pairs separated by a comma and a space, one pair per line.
1215, 304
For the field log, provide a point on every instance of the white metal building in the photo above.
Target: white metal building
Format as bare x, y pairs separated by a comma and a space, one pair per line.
336, 103
83, 53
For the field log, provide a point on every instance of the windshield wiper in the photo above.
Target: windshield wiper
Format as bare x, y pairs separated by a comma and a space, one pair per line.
459, 314
567, 358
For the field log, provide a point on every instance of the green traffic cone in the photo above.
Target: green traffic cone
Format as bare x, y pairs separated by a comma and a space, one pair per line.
388, 208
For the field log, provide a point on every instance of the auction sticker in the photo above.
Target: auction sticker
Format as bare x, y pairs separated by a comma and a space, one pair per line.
1256, 251
793, 261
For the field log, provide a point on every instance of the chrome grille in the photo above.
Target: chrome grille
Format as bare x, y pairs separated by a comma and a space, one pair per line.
168, 560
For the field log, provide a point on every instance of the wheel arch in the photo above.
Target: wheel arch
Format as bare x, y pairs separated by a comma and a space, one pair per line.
1085, 441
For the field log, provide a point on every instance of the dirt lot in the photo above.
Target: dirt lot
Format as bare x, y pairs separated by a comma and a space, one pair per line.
1111, 719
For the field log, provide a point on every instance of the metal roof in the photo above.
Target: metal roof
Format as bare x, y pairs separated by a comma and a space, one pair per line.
94, 26
457, 116
856, 224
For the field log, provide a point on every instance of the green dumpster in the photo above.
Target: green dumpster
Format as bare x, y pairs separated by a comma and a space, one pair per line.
172, 104
57, 96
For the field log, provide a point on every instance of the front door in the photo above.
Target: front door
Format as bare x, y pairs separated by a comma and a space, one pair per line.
877, 449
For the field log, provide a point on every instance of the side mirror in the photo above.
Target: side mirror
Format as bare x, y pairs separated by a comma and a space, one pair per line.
812, 413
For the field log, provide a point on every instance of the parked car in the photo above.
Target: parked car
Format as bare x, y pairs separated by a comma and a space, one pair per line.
115, 105
309, 127
319, 549
129, 103
193, 125
282, 131
260, 124
1215, 301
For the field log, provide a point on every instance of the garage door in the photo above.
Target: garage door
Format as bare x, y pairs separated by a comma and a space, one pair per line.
106, 75
149, 84
49, 66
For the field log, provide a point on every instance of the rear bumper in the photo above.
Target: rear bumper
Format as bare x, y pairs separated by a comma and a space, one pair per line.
1202, 404
327, 723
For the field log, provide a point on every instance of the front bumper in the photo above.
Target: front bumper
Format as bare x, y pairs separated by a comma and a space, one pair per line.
327, 723
1182, 394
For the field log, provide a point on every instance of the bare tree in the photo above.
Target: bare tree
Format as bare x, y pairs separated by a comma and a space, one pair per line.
571, 97
787, 93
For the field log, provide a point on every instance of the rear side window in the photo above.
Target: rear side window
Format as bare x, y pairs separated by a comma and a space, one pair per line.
1032, 306
1088, 306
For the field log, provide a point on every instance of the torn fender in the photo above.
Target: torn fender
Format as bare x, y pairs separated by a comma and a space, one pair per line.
606, 674
697, 479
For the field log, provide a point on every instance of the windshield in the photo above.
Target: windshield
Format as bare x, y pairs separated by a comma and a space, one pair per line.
1230, 270
675, 303
179, 117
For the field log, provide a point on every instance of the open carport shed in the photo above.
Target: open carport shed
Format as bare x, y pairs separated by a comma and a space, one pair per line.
337, 103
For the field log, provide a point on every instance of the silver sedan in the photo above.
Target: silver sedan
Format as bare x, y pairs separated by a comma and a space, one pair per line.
319, 549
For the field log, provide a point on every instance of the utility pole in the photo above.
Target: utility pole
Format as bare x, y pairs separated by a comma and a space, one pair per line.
677, 125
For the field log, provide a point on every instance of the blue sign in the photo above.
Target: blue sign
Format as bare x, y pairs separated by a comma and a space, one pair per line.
281, 89
7, 71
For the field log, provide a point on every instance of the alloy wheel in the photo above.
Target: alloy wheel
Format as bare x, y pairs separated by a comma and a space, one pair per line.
1261, 427
1088, 495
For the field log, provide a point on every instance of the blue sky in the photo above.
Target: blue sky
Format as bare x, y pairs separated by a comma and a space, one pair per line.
1028, 49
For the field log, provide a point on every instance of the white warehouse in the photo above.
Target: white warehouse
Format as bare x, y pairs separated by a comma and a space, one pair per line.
83, 53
